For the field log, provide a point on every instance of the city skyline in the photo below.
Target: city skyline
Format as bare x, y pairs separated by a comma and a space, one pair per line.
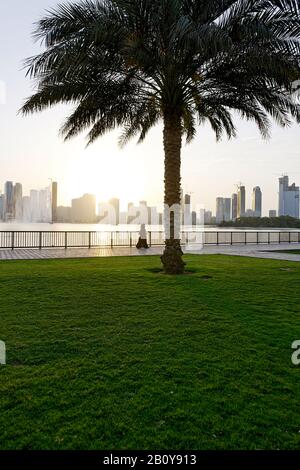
44, 205
107, 171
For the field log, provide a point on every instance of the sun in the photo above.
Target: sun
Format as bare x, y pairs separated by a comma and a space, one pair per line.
113, 177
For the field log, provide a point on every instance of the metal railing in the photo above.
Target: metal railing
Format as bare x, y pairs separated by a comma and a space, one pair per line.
74, 239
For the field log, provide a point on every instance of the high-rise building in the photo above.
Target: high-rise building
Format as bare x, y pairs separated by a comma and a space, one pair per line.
207, 218
45, 206
187, 199
272, 214
219, 210
133, 214
54, 192
194, 218
201, 219
241, 206
223, 209
2, 206
115, 204
187, 213
227, 209
249, 213
257, 202
143, 213
234, 206
288, 198
84, 209
64, 214
18, 203
9, 200
153, 217
123, 218
35, 210
26, 216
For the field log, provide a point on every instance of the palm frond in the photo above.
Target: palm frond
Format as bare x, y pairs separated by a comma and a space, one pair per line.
125, 63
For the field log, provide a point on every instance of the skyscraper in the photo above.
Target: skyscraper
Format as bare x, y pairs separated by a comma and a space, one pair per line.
288, 198
18, 195
84, 209
153, 216
194, 218
35, 210
45, 206
115, 204
9, 200
223, 209
249, 213
187, 214
257, 202
234, 206
132, 213
144, 214
241, 209
2, 205
54, 201
227, 209
26, 205
201, 219
219, 210
207, 217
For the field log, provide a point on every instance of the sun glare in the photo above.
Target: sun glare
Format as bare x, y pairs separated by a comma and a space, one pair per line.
106, 179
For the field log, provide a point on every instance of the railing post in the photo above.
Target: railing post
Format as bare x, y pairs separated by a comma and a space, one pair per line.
66, 240
269, 238
150, 239
257, 238
130, 235
90, 240
231, 238
245, 238
217, 238
111, 240
289, 237
40, 240
12, 240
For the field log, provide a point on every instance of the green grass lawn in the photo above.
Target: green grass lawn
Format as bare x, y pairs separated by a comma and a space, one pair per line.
292, 252
109, 354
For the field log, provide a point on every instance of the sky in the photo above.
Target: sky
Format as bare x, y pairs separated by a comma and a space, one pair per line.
32, 151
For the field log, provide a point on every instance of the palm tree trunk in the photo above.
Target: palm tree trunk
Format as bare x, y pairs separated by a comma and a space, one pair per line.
172, 257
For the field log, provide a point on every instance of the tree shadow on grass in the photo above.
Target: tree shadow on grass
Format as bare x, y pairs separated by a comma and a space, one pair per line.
188, 272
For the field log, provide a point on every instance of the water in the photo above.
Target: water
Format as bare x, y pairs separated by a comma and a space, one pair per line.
14, 226
14, 235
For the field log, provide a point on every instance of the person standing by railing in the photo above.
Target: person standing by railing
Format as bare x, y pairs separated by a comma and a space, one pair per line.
142, 243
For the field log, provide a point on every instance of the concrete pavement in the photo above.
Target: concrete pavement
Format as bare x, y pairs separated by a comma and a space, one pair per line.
254, 251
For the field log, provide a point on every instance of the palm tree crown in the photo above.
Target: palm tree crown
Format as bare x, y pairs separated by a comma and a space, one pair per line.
132, 63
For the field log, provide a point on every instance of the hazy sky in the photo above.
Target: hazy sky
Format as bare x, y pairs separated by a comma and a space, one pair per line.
32, 151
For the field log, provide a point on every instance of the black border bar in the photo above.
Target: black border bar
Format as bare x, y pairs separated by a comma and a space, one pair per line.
143, 459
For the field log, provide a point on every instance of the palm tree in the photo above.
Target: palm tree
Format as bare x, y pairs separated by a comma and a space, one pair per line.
133, 63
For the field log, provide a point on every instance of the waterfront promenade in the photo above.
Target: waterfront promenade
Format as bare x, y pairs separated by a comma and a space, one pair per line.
254, 251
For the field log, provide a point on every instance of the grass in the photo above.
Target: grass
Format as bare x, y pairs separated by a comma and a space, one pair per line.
109, 354
292, 252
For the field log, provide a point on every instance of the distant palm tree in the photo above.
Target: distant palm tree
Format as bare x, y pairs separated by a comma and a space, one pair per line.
132, 63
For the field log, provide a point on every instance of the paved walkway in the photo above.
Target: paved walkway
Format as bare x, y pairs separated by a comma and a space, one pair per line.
255, 251
61, 253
